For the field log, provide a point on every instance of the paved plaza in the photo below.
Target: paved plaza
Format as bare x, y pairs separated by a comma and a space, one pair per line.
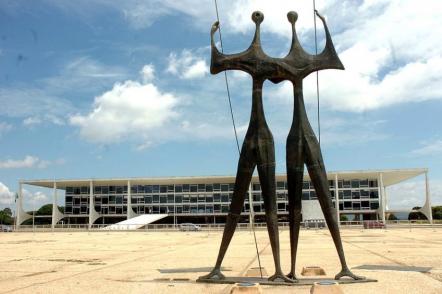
402, 260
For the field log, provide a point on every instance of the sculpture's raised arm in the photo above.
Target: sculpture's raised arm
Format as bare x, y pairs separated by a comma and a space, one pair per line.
327, 59
246, 60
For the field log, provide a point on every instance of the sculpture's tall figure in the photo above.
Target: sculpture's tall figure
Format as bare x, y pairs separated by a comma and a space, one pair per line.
303, 147
257, 149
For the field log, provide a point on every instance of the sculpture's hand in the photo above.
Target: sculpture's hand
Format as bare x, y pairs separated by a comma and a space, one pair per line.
214, 28
320, 16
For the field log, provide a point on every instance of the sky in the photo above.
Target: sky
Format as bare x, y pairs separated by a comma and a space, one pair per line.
101, 88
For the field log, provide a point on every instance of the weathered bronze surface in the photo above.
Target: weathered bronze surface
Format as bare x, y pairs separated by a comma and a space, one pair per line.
258, 147
264, 281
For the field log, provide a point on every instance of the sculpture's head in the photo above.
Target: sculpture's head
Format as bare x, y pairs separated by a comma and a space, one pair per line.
257, 17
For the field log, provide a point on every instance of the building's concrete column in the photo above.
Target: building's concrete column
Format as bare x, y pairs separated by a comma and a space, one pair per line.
251, 211
381, 190
93, 214
174, 206
386, 199
337, 200
426, 209
130, 212
21, 215
56, 214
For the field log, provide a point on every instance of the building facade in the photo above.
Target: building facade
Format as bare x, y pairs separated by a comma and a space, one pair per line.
361, 195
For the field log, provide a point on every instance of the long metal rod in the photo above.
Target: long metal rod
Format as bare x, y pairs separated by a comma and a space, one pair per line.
317, 73
236, 135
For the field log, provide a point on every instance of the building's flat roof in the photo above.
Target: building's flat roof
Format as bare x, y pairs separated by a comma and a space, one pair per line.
389, 176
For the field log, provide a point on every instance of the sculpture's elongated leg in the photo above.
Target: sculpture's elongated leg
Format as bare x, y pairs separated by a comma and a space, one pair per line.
318, 176
266, 171
246, 165
295, 174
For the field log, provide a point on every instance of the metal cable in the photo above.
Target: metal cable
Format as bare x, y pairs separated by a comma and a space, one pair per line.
317, 73
236, 135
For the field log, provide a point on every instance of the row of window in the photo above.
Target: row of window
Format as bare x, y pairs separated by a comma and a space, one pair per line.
180, 188
211, 198
206, 208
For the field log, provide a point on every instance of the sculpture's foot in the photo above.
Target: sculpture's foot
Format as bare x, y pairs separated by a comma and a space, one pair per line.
291, 275
215, 274
279, 277
347, 273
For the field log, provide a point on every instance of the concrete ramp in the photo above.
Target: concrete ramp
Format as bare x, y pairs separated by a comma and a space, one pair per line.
136, 222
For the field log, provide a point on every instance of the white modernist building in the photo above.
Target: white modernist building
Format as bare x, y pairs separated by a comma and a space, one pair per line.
360, 195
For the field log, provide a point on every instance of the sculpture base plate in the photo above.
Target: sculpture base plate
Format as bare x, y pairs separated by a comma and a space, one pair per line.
265, 281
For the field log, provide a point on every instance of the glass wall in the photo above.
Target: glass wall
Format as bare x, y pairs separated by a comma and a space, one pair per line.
213, 198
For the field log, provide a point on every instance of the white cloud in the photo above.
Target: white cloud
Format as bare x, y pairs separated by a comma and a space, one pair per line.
130, 109
83, 74
429, 148
409, 194
27, 162
187, 65
33, 104
33, 120
34, 200
6, 196
147, 73
4, 128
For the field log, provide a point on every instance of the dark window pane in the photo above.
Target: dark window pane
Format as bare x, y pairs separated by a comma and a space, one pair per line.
374, 205
305, 196
355, 183
365, 204
306, 185
374, 194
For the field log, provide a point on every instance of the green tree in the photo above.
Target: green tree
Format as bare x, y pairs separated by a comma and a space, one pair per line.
6, 217
343, 218
8, 211
392, 217
437, 212
416, 215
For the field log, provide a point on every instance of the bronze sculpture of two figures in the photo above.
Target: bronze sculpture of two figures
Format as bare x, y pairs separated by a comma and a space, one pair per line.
258, 147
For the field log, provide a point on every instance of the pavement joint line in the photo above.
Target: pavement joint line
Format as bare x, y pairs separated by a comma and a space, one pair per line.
244, 270
97, 269
388, 258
